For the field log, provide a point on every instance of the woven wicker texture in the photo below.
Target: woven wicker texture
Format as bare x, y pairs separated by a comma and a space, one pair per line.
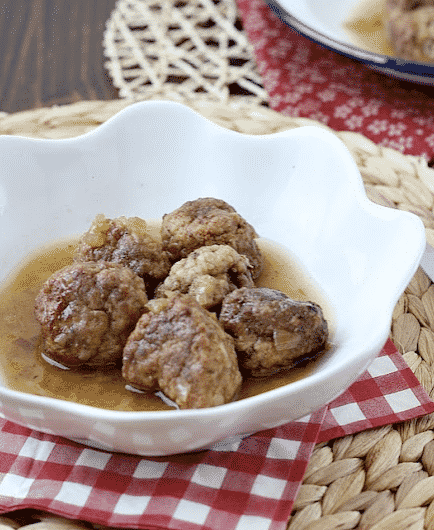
378, 479
190, 48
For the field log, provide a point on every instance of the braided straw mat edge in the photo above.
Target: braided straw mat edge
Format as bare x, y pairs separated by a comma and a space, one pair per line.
378, 479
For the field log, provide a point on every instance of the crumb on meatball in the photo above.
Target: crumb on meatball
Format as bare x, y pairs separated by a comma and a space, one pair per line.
208, 274
179, 347
87, 310
209, 221
271, 330
124, 240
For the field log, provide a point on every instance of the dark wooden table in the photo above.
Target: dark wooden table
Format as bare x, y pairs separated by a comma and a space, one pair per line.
51, 53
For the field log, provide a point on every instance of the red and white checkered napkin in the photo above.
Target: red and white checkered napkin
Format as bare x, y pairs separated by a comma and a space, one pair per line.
237, 484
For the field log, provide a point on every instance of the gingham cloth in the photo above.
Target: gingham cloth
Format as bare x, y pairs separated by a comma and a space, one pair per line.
238, 484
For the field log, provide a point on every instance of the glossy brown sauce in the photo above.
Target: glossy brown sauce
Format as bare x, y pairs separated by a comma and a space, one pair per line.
22, 367
365, 27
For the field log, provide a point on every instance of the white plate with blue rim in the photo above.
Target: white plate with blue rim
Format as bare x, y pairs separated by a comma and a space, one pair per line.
352, 28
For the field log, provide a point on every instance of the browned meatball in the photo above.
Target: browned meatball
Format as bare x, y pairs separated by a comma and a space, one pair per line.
205, 222
87, 310
180, 348
208, 274
124, 240
271, 330
409, 26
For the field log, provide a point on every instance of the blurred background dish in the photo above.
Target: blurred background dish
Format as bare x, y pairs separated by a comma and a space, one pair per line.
353, 28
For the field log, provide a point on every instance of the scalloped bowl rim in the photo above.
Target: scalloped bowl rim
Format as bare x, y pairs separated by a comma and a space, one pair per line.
349, 177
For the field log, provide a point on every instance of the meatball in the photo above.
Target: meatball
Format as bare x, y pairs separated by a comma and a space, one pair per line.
178, 347
409, 26
208, 274
206, 222
87, 310
124, 240
271, 330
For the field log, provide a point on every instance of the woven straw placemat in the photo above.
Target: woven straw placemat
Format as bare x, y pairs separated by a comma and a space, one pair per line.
378, 479
190, 48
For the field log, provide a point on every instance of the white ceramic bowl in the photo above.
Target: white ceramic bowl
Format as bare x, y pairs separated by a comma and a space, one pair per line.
299, 188
323, 21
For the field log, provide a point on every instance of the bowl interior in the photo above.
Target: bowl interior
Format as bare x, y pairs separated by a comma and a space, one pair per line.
299, 188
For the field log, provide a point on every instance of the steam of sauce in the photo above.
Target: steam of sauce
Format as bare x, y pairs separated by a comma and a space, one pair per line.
365, 27
23, 368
